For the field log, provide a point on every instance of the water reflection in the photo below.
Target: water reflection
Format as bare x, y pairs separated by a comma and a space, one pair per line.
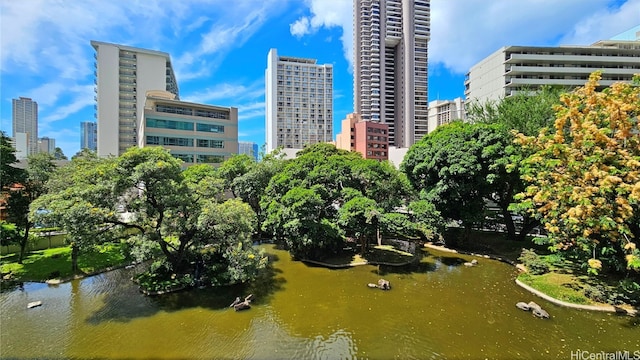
436, 309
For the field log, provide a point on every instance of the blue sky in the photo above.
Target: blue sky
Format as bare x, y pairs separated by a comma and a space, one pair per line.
219, 51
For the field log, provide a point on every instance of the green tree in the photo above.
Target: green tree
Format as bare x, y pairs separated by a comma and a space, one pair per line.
9, 174
87, 153
233, 168
177, 211
40, 166
583, 178
335, 176
526, 112
58, 154
251, 186
360, 217
458, 167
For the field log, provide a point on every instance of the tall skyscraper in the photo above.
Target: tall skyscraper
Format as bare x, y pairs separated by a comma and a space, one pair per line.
299, 102
89, 135
390, 66
25, 126
123, 76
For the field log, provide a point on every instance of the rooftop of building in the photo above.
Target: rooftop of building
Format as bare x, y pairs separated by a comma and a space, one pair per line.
96, 44
165, 97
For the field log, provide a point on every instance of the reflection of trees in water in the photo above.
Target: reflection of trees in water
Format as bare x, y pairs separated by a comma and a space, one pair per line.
122, 300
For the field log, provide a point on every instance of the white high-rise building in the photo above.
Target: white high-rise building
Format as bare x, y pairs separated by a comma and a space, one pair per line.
124, 74
299, 102
390, 66
526, 68
25, 126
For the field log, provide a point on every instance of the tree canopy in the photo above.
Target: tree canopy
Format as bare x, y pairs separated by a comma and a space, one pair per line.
177, 211
457, 167
583, 177
305, 203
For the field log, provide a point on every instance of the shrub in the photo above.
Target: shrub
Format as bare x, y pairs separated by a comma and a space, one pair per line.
535, 264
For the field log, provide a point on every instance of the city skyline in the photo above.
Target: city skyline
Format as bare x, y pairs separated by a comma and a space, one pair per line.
219, 52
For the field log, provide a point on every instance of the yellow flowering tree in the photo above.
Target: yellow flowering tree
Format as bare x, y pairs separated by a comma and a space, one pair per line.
583, 176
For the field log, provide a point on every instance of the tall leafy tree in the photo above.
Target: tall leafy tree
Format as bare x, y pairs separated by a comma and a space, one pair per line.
251, 186
233, 168
525, 112
177, 211
58, 154
458, 167
584, 176
9, 174
40, 167
333, 177
361, 219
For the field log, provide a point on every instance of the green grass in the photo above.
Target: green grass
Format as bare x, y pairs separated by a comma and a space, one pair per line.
40, 265
565, 287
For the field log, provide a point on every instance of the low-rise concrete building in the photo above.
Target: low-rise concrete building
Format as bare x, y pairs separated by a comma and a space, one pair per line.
194, 133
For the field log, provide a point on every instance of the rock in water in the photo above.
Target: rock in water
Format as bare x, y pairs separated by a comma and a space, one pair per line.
34, 304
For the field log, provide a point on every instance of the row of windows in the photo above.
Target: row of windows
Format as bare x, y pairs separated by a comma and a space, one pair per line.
376, 131
192, 112
185, 142
210, 159
183, 125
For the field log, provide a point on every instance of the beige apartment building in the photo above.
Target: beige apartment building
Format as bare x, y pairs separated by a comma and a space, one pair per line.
445, 111
518, 68
298, 102
123, 76
194, 133
390, 66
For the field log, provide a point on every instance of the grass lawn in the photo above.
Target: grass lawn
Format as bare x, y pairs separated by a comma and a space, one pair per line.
565, 287
40, 265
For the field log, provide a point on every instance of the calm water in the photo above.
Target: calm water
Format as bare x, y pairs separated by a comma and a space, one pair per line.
438, 309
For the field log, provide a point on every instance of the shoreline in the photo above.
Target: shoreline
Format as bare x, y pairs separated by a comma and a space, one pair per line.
538, 293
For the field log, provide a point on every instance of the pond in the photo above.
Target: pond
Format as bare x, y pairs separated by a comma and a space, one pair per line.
436, 309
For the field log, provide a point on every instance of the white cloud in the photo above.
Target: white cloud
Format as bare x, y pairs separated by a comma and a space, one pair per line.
233, 27
250, 111
463, 32
300, 27
82, 96
47, 94
226, 92
328, 14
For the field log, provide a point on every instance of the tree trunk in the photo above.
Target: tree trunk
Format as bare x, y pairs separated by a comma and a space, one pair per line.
508, 222
74, 257
23, 245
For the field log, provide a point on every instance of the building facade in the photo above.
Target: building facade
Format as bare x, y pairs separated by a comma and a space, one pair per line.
525, 68
89, 135
445, 111
248, 148
194, 133
369, 138
47, 145
299, 102
390, 66
25, 126
123, 75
